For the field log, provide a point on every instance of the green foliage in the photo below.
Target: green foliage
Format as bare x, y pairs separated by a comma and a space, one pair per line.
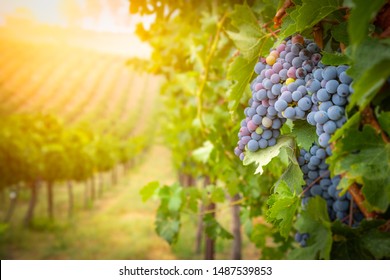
149, 190
362, 13
213, 229
364, 242
305, 134
302, 15
370, 69
168, 214
197, 48
314, 220
252, 41
240, 70
384, 121
261, 235
264, 156
365, 158
335, 58
283, 205
202, 154
41, 147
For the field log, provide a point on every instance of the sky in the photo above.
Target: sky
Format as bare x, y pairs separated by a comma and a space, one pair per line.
99, 17
49, 12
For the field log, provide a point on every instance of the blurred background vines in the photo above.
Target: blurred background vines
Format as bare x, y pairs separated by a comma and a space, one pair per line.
207, 51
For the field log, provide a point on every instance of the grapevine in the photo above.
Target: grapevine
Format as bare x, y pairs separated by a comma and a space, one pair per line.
298, 100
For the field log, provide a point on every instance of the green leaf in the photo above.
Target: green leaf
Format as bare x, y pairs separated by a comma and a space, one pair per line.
193, 195
314, 220
365, 159
352, 122
249, 37
264, 156
168, 229
148, 191
240, 72
168, 213
176, 199
251, 41
366, 87
213, 229
334, 58
304, 133
283, 205
362, 13
384, 121
378, 243
308, 18
340, 34
293, 177
364, 242
202, 154
369, 69
262, 235
302, 17
217, 195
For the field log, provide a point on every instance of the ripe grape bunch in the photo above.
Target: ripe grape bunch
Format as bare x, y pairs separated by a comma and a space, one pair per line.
294, 84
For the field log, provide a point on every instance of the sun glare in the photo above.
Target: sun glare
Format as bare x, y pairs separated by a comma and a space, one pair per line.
95, 15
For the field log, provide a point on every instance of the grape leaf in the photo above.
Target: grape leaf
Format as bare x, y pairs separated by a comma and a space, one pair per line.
368, 54
302, 16
202, 154
251, 41
304, 133
340, 33
365, 158
366, 87
370, 69
167, 228
249, 38
148, 191
261, 235
362, 13
283, 205
217, 195
314, 220
364, 242
353, 121
168, 213
240, 71
378, 243
334, 58
264, 156
293, 177
213, 229
384, 121
307, 18
176, 199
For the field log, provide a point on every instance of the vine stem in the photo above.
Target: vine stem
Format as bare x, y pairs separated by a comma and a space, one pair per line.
358, 197
222, 208
281, 13
368, 117
350, 213
213, 48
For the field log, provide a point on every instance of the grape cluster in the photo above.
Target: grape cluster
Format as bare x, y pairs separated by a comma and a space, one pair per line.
329, 101
319, 183
293, 83
279, 92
